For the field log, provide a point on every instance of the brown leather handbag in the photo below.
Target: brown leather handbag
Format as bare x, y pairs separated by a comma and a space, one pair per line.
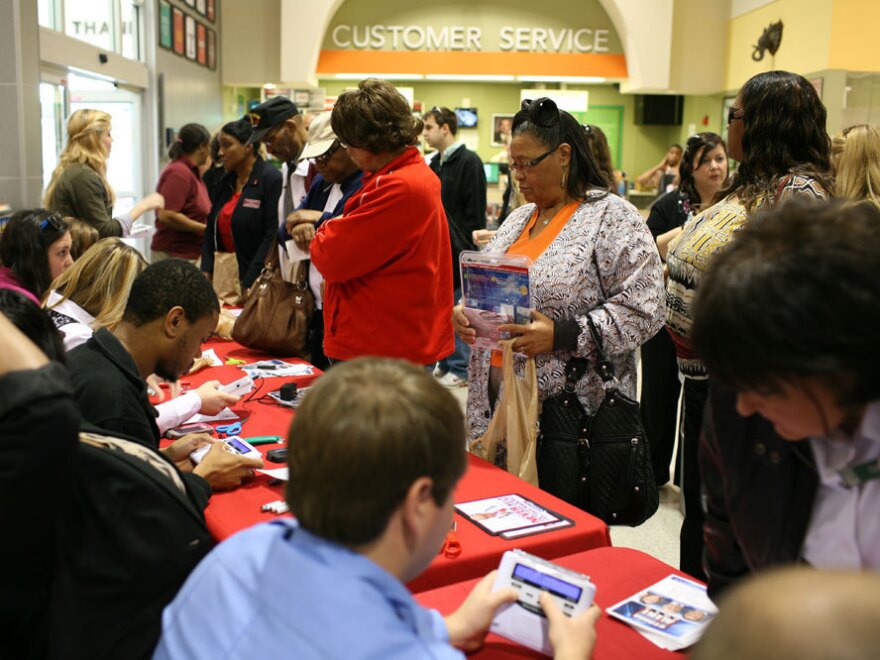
277, 314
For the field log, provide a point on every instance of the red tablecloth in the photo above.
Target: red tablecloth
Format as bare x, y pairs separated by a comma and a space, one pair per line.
231, 511
616, 572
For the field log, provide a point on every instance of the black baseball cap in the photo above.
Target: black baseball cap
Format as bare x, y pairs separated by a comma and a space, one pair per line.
269, 114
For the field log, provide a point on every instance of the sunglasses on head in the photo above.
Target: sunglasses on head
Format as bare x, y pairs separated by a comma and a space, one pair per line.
55, 221
541, 112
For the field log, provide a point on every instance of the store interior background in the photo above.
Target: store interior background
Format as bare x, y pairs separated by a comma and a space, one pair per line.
65, 54
60, 55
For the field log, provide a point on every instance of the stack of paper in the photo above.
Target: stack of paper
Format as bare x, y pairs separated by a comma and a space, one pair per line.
672, 613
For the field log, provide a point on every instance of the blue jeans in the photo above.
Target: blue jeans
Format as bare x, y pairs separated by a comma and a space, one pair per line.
457, 363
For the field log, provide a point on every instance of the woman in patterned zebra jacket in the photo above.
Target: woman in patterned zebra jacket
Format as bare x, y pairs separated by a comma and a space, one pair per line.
592, 256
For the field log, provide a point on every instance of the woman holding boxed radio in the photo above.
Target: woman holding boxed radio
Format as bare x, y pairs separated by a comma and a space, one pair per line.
593, 257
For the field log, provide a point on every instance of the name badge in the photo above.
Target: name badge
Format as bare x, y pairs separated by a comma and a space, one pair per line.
251, 203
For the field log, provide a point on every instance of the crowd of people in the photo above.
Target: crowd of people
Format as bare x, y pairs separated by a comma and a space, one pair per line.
749, 295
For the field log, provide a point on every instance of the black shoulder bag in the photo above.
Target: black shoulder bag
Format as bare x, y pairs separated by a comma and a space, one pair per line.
599, 463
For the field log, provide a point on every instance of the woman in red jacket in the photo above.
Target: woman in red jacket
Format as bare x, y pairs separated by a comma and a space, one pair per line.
385, 260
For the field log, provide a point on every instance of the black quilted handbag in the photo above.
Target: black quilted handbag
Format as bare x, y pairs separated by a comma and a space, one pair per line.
599, 463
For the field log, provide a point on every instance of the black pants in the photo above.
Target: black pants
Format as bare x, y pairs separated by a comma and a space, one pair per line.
659, 401
696, 392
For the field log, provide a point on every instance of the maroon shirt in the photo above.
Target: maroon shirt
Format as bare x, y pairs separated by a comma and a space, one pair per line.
184, 193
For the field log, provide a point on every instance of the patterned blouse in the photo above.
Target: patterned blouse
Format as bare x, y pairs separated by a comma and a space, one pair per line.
603, 264
701, 239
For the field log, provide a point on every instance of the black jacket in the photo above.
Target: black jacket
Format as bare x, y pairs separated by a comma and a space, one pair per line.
99, 541
112, 396
109, 390
759, 492
254, 220
463, 191
38, 442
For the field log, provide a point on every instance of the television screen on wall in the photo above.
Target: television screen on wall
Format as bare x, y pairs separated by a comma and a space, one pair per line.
467, 117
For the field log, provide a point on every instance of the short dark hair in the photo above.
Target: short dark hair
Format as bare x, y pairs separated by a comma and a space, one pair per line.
241, 130
551, 126
795, 296
34, 323
783, 133
24, 244
696, 142
375, 117
189, 138
675, 145
362, 436
443, 116
166, 284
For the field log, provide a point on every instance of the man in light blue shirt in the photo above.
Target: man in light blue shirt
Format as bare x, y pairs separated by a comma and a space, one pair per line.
376, 450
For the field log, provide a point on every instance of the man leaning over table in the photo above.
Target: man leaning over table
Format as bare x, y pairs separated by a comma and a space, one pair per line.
331, 583
171, 310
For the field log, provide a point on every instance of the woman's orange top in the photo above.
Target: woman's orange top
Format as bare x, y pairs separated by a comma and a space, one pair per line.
534, 247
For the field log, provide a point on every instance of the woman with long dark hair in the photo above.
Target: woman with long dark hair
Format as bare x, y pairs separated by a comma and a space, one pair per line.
592, 258
776, 129
703, 171
34, 250
181, 224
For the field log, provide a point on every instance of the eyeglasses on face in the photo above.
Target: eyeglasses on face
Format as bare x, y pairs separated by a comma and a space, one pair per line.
325, 157
525, 167
542, 112
55, 221
735, 113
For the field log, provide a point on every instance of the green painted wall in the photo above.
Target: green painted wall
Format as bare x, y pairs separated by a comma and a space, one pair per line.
643, 146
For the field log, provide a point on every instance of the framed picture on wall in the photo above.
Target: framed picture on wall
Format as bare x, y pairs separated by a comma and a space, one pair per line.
211, 8
166, 38
212, 49
190, 38
177, 30
201, 7
501, 127
201, 45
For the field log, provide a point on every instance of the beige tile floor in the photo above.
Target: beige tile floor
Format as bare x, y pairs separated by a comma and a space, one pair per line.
658, 536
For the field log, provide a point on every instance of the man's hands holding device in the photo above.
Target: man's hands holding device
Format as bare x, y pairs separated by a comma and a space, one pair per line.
221, 468
468, 625
214, 399
572, 638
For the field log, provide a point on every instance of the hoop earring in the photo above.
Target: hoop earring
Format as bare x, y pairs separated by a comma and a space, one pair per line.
564, 177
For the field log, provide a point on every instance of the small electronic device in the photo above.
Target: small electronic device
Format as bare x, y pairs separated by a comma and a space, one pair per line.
278, 397
234, 444
277, 455
240, 387
288, 391
186, 429
524, 621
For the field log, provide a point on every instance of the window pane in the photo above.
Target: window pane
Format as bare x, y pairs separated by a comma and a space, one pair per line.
52, 124
130, 13
46, 13
91, 21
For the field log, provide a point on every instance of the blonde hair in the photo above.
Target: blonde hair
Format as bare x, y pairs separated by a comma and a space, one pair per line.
858, 168
85, 130
100, 280
82, 236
